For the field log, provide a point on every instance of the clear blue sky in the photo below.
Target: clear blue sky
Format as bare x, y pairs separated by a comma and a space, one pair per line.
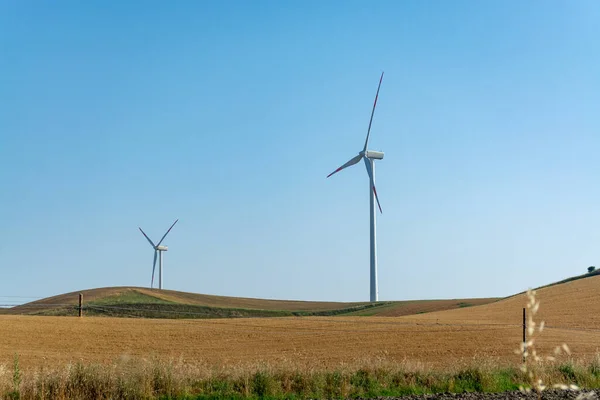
229, 114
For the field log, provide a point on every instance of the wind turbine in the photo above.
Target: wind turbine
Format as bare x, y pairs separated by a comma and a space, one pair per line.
158, 250
369, 157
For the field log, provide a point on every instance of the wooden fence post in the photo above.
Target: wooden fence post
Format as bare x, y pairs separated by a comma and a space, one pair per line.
524, 334
80, 304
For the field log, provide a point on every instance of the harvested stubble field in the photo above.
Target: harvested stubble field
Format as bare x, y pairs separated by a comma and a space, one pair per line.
438, 339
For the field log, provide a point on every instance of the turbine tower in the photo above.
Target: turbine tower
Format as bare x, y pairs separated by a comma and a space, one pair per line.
369, 157
158, 250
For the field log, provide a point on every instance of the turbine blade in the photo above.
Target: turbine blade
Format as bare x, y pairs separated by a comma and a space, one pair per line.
349, 163
153, 268
165, 235
372, 113
143, 233
372, 179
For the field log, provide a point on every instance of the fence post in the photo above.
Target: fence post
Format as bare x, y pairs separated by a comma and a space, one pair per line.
80, 304
524, 334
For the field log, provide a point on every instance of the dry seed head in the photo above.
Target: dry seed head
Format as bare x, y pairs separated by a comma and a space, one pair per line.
586, 396
523, 368
561, 386
566, 348
530, 330
573, 387
557, 350
535, 307
542, 324
531, 322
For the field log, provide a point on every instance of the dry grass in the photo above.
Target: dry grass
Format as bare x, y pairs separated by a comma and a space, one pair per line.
151, 379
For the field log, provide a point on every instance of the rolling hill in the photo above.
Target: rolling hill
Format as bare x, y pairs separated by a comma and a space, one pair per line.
487, 333
569, 304
154, 303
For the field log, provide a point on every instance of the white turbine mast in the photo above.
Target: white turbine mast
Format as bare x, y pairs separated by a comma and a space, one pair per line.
369, 157
158, 250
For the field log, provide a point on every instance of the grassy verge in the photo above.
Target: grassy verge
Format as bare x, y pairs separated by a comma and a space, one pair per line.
143, 379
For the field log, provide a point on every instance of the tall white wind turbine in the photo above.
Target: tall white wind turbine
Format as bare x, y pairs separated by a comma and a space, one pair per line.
158, 250
369, 157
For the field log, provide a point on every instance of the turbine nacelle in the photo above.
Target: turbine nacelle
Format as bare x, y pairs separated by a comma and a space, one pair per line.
162, 248
374, 155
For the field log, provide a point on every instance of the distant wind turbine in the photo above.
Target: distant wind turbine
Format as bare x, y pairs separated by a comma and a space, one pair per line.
158, 250
369, 157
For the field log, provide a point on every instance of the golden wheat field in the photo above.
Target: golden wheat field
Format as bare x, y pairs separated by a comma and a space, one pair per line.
486, 332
